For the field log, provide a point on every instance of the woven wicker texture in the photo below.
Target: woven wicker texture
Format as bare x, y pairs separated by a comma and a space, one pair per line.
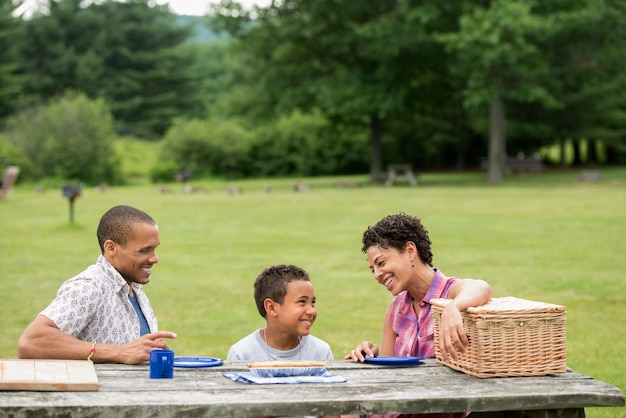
509, 337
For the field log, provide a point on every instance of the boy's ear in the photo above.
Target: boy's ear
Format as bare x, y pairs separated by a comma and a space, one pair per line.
270, 307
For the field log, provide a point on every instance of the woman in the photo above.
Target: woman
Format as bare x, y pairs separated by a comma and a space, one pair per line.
399, 255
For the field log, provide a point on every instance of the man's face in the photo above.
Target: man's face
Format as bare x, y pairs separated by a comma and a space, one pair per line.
134, 260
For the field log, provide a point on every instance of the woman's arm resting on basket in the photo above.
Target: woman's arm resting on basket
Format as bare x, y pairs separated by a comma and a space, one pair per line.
464, 294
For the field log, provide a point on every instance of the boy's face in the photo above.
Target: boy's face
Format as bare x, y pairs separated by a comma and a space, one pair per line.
297, 313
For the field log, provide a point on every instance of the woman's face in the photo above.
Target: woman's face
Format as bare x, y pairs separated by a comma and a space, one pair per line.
390, 267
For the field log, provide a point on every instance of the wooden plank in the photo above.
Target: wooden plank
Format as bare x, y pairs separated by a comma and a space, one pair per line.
50, 372
17, 371
48, 375
83, 374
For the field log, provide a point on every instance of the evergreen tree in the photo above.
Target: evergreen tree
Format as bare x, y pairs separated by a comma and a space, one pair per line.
127, 53
10, 80
147, 75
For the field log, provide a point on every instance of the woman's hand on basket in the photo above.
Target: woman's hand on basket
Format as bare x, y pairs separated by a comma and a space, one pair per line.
365, 349
452, 337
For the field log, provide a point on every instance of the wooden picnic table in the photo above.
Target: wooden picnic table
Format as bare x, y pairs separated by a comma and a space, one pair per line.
400, 170
430, 387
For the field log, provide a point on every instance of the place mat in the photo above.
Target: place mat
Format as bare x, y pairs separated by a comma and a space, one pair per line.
248, 377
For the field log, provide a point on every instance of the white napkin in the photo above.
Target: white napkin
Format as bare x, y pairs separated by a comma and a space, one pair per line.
248, 377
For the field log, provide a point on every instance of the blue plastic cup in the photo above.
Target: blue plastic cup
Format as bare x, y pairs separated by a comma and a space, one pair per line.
161, 364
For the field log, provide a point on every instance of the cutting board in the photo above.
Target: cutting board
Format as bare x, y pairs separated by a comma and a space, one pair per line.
48, 375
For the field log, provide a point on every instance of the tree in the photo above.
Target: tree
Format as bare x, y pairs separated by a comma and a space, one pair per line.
427, 75
361, 64
148, 78
50, 45
549, 72
498, 48
127, 53
10, 79
587, 57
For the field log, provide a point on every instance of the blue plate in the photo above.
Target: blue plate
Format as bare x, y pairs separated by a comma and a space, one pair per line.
394, 360
197, 362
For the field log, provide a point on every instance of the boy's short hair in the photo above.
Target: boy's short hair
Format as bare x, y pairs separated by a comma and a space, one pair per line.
272, 283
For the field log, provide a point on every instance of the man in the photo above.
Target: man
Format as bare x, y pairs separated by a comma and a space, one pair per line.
103, 314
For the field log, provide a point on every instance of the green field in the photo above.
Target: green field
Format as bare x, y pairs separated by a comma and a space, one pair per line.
544, 237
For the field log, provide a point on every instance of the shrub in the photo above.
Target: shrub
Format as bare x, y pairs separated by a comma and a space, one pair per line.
295, 145
70, 138
11, 155
307, 145
204, 147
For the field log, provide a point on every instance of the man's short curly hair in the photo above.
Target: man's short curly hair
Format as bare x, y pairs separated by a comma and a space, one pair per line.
117, 224
272, 283
395, 231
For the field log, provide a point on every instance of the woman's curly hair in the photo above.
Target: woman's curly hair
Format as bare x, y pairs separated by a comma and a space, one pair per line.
395, 231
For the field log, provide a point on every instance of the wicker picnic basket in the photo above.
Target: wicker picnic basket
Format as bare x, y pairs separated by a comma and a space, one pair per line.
509, 337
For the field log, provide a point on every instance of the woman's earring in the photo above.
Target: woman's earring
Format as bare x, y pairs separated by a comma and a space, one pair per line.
412, 264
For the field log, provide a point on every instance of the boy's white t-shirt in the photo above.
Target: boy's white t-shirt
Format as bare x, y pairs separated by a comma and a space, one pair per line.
253, 348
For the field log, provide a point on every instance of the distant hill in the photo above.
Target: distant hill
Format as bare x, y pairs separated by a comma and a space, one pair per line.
201, 30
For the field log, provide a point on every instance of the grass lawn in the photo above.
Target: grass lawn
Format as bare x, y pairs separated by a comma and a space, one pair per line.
544, 237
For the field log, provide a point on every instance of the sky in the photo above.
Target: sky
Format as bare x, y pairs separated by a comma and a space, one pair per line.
181, 7
199, 7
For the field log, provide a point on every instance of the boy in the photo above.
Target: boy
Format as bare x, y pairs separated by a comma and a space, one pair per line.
285, 297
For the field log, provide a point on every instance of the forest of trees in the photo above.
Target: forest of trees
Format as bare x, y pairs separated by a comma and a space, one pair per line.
314, 87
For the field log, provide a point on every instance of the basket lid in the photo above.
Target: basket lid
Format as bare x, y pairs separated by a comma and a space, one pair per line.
507, 303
